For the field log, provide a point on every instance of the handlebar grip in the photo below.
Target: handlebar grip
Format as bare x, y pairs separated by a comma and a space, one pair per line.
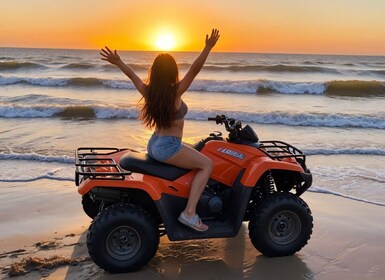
211, 119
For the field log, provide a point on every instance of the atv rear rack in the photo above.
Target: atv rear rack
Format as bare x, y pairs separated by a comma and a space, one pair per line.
96, 163
279, 150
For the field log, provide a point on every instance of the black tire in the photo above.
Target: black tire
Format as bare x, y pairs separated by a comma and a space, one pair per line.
90, 207
122, 238
280, 225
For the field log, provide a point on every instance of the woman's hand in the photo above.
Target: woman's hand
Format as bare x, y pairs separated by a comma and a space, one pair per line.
212, 40
111, 57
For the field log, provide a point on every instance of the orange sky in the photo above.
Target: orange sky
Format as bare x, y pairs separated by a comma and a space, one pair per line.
283, 26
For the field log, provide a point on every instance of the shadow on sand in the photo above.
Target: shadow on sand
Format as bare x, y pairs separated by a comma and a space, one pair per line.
227, 258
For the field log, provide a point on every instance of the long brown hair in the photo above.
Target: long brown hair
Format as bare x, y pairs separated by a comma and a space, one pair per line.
161, 93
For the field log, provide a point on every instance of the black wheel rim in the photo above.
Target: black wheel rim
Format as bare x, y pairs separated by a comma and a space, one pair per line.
284, 227
123, 243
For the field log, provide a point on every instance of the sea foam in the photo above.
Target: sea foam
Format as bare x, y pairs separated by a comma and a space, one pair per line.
326, 191
115, 112
61, 168
37, 157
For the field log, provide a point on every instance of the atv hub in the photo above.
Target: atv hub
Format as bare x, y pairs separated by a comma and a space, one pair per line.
123, 243
284, 227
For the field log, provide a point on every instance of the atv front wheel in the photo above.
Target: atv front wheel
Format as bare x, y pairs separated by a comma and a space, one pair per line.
122, 238
280, 225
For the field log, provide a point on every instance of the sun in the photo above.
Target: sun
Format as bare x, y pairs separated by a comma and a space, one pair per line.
165, 42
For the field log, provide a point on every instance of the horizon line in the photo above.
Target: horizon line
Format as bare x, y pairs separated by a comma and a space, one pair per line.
197, 51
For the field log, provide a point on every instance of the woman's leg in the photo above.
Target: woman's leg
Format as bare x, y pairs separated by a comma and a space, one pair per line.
190, 158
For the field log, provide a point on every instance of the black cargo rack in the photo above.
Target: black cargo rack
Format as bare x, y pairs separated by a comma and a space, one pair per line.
279, 150
89, 158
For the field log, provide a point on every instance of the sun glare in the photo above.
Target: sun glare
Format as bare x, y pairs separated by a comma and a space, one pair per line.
165, 42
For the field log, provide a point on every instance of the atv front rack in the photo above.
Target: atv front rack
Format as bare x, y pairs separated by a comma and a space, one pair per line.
279, 150
97, 163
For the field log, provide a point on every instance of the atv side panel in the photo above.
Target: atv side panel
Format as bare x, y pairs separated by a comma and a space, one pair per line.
170, 207
154, 186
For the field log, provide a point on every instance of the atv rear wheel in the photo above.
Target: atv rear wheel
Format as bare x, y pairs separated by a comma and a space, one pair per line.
90, 207
122, 238
280, 225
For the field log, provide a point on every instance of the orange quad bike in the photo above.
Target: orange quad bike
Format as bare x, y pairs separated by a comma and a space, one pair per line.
134, 200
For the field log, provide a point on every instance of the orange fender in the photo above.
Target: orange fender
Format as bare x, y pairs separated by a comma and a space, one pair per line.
154, 186
260, 165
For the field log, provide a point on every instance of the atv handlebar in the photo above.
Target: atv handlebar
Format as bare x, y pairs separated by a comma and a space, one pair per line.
222, 119
219, 119
231, 125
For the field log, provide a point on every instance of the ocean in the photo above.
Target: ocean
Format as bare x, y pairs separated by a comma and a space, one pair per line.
331, 107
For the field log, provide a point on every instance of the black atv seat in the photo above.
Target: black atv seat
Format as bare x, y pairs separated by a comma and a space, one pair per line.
142, 163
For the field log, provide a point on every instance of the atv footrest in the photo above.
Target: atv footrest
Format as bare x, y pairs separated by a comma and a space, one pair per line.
216, 229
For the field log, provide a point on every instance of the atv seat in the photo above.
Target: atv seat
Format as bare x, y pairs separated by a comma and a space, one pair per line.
142, 163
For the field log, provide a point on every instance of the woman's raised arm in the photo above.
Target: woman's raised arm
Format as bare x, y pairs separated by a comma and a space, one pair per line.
114, 58
196, 67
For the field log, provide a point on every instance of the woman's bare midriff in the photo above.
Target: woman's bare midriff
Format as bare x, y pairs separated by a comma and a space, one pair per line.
176, 129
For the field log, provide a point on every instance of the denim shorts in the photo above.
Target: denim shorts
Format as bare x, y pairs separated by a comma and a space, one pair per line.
161, 148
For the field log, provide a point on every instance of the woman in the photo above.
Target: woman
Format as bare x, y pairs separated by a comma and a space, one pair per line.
164, 110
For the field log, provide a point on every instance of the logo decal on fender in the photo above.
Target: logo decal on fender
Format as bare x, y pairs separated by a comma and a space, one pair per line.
231, 153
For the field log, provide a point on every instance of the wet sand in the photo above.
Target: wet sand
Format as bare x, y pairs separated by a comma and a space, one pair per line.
43, 230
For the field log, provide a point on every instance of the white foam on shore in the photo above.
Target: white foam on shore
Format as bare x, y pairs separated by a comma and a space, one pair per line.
52, 176
29, 171
345, 181
325, 191
41, 177
65, 159
353, 181
36, 157
345, 151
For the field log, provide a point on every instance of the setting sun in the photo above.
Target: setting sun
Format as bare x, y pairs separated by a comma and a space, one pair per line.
165, 42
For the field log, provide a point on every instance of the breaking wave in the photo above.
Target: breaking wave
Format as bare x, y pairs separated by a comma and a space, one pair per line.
356, 88
14, 65
78, 66
339, 88
353, 88
76, 111
307, 67
116, 112
273, 68
62, 82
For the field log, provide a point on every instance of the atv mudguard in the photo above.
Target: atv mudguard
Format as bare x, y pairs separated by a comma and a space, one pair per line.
258, 166
153, 186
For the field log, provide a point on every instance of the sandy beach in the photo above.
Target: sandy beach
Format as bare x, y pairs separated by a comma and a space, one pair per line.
329, 107
43, 223
307, 75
